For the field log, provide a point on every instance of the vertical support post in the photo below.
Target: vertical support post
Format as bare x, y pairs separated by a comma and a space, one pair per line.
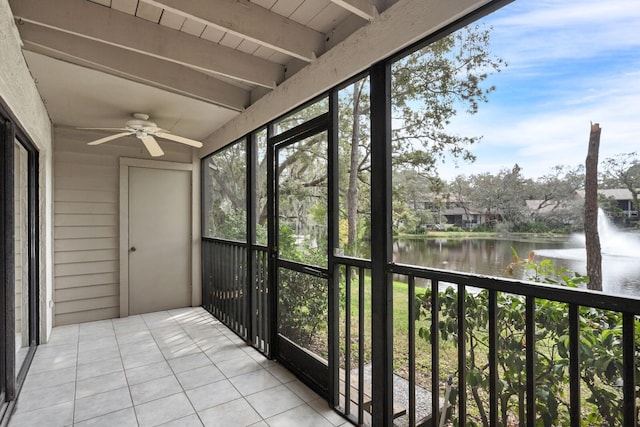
272, 242
250, 287
332, 234
381, 245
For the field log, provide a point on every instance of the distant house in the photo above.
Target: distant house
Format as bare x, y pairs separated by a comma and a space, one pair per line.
462, 217
623, 198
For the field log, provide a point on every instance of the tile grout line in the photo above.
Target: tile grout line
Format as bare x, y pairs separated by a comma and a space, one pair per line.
124, 372
178, 381
75, 383
244, 397
76, 388
189, 329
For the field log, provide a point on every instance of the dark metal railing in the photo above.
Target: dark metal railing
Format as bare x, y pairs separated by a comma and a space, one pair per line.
354, 389
225, 282
235, 288
260, 318
575, 299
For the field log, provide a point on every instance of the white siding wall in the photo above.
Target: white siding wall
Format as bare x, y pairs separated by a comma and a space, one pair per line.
86, 212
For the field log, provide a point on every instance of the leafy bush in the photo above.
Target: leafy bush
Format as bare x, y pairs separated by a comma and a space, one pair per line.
487, 227
302, 298
303, 310
531, 227
600, 352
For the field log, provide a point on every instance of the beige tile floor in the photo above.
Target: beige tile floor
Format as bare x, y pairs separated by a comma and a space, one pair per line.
171, 368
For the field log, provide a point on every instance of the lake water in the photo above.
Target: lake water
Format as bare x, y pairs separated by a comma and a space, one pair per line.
620, 264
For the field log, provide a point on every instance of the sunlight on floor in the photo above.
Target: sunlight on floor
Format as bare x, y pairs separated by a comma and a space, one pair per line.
178, 367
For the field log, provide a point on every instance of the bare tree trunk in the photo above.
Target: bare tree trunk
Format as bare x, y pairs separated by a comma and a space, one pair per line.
592, 238
352, 195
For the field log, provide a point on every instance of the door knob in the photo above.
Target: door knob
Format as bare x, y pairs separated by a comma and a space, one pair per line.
133, 249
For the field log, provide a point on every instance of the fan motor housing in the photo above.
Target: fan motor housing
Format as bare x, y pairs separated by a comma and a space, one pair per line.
137, 124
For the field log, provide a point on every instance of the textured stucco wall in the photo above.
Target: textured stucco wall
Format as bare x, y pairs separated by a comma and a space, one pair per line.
19, 93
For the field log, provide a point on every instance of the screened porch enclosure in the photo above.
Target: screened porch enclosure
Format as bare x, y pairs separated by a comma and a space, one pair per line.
279, 271
320, 129
298, 219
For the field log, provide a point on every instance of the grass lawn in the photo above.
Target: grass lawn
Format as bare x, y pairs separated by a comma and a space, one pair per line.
448, 353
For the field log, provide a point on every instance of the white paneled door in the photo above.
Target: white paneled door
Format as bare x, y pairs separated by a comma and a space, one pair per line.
159, 239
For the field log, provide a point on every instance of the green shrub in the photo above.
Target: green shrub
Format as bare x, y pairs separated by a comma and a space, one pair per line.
600, 352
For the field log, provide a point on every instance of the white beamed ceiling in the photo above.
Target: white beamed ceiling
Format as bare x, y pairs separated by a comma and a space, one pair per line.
210, 69
192, 65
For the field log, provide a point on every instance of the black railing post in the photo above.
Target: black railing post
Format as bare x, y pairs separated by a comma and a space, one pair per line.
493, 357
574, 365
530, 322
381, 245
435, 351
629, 369
462, 353
412, 351
347, 341
265, 314
361, 344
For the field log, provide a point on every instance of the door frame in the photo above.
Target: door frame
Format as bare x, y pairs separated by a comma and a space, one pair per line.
125, 164
307, 366
12, 376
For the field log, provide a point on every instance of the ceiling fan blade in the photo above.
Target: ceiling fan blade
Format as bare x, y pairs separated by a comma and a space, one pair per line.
152, 145
180, 139
102, 128
109, 138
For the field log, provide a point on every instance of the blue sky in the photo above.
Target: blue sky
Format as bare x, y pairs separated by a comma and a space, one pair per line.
569, 63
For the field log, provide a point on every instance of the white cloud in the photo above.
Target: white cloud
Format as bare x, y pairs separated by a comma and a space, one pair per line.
539, 117
528, 31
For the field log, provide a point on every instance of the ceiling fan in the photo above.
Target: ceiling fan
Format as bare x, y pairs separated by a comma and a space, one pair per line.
144, 130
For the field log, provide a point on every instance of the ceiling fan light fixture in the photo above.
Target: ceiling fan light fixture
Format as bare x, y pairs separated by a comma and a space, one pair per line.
143, 129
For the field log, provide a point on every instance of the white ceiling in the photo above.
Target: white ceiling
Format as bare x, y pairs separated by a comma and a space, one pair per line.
77, 96
191, 65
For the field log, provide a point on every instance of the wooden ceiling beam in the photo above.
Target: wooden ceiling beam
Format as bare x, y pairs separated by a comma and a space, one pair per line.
134, 66
250, 21
366, 46
363, 8
96, 22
